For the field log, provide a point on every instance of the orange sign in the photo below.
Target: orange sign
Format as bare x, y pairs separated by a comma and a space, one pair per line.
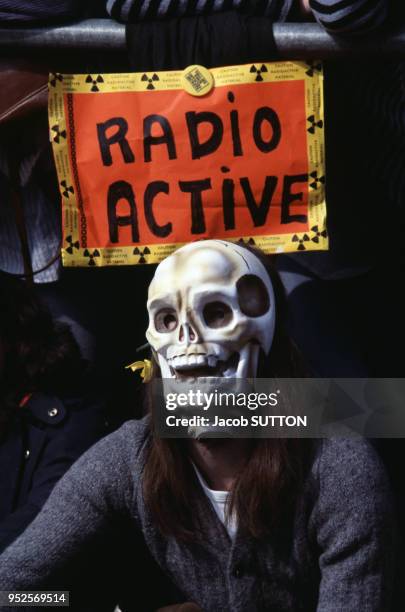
145, 165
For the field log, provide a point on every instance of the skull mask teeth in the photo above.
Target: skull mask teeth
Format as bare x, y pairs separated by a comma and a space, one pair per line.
211, 307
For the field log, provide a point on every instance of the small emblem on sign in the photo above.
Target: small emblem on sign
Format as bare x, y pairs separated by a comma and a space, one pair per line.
91, 256
318, 233
150, 80
72, 244
301, 246
197, 80
94, 81
314, 124
58, 133
66, 189
258, 71
143, 253
54, 77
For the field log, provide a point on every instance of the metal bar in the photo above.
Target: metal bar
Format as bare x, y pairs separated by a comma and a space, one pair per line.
293, 40
90, 34
303, 40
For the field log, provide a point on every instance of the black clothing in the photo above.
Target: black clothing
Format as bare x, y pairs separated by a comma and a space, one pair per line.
45, 438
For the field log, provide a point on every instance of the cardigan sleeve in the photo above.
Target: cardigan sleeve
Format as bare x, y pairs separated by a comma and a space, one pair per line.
356, 529
96, 490
349, 16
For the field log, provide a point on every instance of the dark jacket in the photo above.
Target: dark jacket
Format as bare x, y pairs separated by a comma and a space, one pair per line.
46, 437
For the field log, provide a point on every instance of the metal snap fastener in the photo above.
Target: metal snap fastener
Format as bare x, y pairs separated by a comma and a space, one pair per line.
27, 454
52, 412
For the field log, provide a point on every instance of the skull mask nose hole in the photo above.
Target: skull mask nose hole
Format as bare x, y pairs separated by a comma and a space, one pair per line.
253, 297
217, 314
186, 329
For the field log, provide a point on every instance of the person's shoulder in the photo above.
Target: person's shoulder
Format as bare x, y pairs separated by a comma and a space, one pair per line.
349, 467
134, 431
344, 453
71, 424
127, 441
56, 411
45, 410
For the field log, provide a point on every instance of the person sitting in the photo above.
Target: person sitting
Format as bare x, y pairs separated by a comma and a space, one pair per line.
235, 524
46, 420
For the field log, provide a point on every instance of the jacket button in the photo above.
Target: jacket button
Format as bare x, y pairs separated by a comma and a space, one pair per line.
238, 571
26, 454
52, 412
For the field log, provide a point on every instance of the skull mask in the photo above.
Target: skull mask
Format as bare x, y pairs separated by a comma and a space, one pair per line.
211, 307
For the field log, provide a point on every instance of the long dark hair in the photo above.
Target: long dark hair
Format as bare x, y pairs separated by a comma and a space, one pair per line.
36, 352
266, 490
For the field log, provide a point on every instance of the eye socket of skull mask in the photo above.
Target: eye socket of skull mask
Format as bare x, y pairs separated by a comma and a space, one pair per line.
253, 297
217, 314
166, 320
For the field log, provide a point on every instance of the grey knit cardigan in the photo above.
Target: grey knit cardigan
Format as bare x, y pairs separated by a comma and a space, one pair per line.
336, 557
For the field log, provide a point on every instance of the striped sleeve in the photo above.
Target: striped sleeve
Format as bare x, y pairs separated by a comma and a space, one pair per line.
15, 11
349, 16
140, 10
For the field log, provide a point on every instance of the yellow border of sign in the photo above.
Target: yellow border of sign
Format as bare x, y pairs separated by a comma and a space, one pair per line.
60, 84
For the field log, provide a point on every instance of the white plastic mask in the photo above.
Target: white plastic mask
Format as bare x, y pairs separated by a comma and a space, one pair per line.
211, 307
